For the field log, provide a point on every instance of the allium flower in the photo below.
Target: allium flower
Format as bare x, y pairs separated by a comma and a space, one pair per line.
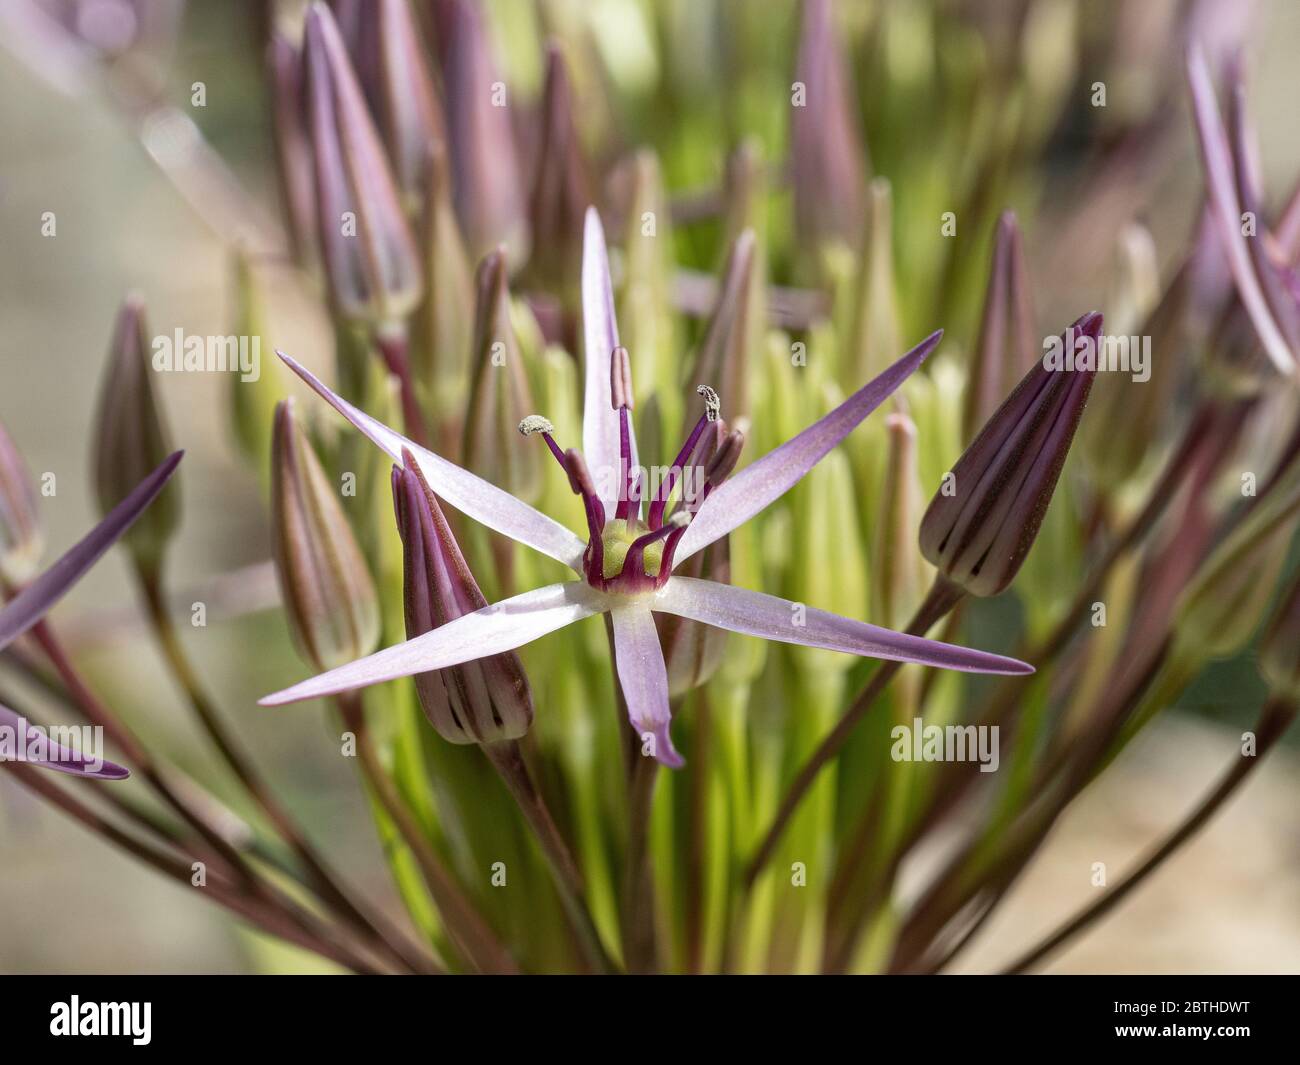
626, 564
35, 600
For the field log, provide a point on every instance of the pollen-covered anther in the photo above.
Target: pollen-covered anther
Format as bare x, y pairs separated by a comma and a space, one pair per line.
620, 379
712, 404
535, 423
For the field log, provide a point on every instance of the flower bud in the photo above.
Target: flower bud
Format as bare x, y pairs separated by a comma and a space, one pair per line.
292, 146
875, 335
442, 333
983, 520
131, 438
559, 196
1006, 348
253, 398
500, 395
326, 587
370, 257
829, 159
486, 700
487, 185
21, 541
898, 573
405, 102
732, 334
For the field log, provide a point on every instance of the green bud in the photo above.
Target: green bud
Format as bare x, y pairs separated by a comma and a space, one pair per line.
131, 438
326, 587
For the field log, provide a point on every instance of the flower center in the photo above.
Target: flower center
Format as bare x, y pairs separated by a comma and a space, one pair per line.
617, 538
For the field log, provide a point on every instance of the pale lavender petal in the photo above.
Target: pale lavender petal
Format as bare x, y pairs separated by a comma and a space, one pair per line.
32, 603
737, 500
471, 495
55, 755
773, 618
643, 676
600, 422
1219, 174
500, 627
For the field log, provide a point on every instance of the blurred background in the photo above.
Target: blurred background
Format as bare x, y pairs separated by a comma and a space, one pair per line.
1229, 902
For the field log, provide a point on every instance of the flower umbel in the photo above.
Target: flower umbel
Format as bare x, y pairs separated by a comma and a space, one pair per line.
627, 562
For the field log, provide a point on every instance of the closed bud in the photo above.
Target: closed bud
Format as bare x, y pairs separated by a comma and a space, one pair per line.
486, 700
876, 337
257, 388
442, 333
982, 522
897, 576
292, 146
488, 188
328, 595
403, 98
1006, 347
500, 395
829, 159
131, 438
560, 187
21, 542
370, 257
732, 334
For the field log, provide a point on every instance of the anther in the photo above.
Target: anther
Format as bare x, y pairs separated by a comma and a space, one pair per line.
620, 379
712, 404
535, 423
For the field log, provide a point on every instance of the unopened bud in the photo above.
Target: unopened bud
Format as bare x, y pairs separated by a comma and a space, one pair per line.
326, 587
983, 520
486, 700
131, 438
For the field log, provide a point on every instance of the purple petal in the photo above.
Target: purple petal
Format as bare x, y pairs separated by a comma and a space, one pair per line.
480, 500
747, 493
773, 618
600, 422
32, 603
500, 627
56, 756
1219, 174
643, 677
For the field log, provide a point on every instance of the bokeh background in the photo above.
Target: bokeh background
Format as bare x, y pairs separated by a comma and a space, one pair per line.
1230, 901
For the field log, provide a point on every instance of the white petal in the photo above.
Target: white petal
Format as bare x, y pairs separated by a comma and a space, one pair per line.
600, 422
500, 627
773, 618
737, 500
471, 495
643, 676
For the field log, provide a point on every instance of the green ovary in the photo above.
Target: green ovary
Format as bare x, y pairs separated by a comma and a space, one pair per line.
617, 538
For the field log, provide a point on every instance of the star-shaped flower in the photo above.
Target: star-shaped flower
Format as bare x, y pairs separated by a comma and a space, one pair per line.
626, 562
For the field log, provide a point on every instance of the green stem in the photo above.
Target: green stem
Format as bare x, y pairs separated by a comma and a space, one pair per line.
508, 760
332, 894
467, 929
943, 596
